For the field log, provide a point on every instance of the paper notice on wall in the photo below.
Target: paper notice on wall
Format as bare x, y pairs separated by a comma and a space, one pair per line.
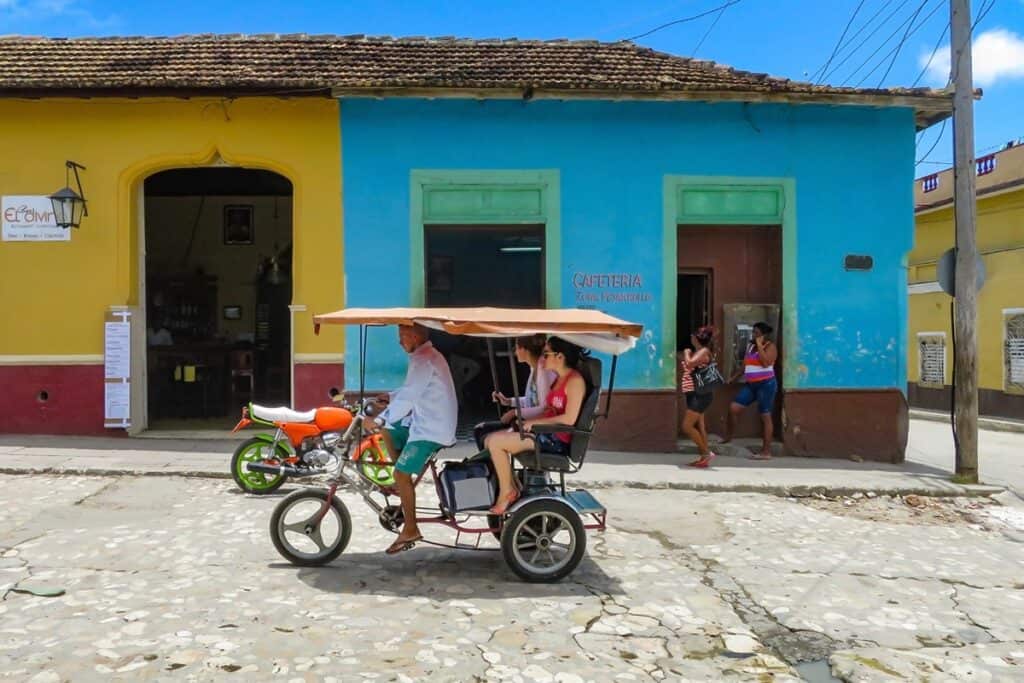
117, 351
29, 218
116, 403
117, 369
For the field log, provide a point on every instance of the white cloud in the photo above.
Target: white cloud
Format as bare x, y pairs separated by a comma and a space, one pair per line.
23, 16
997, 54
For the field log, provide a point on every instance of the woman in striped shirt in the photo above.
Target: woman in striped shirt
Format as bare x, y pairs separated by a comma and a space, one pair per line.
761, 386
697, 404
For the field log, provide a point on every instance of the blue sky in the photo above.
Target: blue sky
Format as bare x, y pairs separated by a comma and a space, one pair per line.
789, 38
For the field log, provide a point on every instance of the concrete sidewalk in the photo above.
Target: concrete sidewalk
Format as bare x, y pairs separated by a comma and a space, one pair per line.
732, 471
991, 424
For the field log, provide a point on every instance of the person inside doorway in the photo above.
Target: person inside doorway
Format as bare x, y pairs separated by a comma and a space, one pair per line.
760, 385
160, 334
561, 407
532, 402
697, 404
419, 420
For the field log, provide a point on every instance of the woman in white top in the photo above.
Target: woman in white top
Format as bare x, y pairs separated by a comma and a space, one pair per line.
531, 404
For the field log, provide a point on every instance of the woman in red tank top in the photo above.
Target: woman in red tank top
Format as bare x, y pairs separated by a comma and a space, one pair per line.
562, 406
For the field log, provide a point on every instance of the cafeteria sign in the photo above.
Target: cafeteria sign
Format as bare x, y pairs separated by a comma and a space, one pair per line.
609, 288
29, 218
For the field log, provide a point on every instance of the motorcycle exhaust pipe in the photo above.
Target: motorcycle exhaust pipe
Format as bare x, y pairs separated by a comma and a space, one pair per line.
283, 469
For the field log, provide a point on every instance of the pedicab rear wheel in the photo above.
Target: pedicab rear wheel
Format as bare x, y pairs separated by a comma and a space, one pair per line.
299, 538
543, 541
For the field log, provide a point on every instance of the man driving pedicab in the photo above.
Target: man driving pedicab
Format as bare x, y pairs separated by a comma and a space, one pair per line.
419, 420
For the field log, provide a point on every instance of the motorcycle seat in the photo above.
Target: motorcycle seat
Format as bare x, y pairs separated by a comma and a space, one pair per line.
282, 414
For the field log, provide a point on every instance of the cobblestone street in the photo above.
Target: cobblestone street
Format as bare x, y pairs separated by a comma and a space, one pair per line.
176, 579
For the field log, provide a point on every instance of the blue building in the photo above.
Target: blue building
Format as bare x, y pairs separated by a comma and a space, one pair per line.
676, 193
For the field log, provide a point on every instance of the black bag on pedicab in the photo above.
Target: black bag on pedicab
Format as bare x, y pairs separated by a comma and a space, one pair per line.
467, 485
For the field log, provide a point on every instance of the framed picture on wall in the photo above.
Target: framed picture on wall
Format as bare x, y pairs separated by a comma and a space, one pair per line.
439, 273
238, 227
232, 312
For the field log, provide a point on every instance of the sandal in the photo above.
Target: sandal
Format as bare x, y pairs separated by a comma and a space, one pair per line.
501, 506
704, 462
403, 544
759, 456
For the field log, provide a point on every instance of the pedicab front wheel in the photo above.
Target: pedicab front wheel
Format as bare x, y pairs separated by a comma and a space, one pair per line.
300, 537
543, 541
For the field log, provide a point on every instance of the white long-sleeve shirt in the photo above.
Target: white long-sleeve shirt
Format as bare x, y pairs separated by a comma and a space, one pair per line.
533, 403
426, 401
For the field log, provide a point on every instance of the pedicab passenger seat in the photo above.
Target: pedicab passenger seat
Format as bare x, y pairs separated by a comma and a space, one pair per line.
590, 368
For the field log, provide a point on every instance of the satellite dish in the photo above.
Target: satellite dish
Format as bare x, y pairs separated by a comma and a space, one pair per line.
945, 271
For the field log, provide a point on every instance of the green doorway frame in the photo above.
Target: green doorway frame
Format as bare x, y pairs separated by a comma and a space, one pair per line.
479, 197
722, 200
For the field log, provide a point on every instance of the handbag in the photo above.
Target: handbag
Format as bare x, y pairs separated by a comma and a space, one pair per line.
467, 485
706, 378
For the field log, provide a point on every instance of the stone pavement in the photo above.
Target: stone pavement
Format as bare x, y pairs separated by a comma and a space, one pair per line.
732, 470
168, 578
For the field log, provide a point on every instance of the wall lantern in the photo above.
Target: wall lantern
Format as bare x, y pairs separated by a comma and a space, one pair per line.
68, 205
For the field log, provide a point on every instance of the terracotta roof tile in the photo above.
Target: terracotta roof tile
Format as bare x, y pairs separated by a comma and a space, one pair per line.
283, 62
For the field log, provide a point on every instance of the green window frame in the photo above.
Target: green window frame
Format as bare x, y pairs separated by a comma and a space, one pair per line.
478, 197
717, 200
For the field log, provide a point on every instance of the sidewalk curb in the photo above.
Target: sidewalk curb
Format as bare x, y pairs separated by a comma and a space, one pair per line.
798, 491
992, 424
804, 491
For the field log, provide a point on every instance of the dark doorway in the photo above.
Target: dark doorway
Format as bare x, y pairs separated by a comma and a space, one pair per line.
218, 285
693, 305
482, 265
719, 266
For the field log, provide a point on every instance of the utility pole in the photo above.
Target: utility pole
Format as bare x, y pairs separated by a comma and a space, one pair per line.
964, 172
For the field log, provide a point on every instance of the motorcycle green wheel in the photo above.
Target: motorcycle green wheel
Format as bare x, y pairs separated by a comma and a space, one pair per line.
381, 475
256, 450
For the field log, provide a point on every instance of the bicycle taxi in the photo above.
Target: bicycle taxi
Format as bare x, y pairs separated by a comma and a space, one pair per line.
542, 535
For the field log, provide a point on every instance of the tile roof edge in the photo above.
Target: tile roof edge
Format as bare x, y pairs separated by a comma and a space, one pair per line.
269, 38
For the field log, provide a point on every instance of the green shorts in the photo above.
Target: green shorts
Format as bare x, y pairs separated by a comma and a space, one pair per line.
414, 454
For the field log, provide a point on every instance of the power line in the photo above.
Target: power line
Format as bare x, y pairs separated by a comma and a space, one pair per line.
931, 57
860, 30
708, 32
896, 49
826, 75
869, 36
934, 144
902, 42
842, 35
878, 49
684, 20
982, 12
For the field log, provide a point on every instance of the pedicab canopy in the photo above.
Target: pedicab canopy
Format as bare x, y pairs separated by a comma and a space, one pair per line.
587, 328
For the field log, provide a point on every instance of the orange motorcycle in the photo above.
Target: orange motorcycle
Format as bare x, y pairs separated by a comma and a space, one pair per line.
302, 445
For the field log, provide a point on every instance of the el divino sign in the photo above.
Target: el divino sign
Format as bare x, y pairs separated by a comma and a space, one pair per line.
29, 218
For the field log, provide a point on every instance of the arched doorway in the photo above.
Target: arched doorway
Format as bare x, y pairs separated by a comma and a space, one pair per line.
218, 282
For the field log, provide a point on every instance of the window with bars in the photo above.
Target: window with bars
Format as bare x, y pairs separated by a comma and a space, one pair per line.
1013, 350
932, 353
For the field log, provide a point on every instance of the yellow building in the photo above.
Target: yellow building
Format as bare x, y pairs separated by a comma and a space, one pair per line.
206, 217
1000, 231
